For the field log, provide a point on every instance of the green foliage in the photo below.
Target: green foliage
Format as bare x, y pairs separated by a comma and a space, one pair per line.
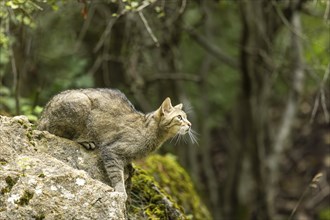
316, 44
18, 12
52, 54
61, 64
8, 105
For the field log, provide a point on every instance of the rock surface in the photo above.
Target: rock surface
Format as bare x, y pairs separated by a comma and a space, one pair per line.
46, 177
43, 176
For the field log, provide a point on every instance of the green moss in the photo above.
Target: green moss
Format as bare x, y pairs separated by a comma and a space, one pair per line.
148, 201
39, 217
11, 181
41, 175
177, 183
3, 162
164, 190
10, 184
325, 214
25, 198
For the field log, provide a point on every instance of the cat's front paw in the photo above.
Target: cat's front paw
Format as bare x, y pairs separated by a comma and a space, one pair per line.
88, 145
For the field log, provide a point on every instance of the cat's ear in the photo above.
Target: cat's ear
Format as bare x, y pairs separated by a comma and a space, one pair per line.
166, 106
179, 106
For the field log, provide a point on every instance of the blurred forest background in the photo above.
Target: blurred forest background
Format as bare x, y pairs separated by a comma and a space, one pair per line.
253, 75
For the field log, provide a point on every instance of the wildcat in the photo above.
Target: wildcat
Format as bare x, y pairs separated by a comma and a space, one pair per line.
106, 119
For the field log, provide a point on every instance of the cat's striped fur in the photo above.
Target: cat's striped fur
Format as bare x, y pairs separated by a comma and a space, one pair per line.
104, 118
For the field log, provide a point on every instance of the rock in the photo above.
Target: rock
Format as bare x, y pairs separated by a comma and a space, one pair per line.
46, 177
43, 187
43, 176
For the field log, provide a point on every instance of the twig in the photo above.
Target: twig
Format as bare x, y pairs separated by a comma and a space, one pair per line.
85, 27
16, 81
298, 203
143, 6
107, 31
145, 22
326, 15
323, 102
286, 22
183, 6
316, 106
15, 72
313, 184
177, 76
321, 97
213, 49
113, 21
323, 194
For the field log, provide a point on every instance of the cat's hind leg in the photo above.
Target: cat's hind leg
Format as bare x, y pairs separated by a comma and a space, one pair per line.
114, 165
128, 174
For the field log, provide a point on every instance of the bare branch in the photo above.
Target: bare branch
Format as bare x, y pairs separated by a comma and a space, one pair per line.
321, 97
145, 22
16, 75
316, 106
105, 34
177, 76
286, 22
326, 15
213, 49
144, 5
85, 27
183, 6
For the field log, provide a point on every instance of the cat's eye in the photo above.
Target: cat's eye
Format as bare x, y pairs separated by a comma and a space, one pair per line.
179, 117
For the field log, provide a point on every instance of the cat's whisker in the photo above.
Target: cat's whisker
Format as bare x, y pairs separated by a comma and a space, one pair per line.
173, 138
178, 139
186, 139
192, 134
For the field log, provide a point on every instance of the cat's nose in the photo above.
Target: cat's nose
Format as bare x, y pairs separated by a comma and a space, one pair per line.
189, 124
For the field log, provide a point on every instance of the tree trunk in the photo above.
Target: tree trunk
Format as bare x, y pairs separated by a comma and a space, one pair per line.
261, 22
211, 189
280, 142
257, 38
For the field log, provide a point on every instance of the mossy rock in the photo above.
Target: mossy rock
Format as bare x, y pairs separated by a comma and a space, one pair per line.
162, 189
324, 214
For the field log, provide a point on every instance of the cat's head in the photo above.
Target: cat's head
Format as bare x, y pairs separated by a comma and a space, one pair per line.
173, 120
